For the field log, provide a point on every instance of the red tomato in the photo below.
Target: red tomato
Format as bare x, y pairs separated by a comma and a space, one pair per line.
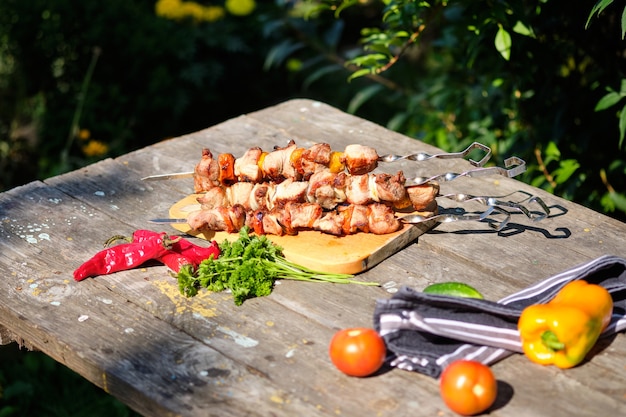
468, 387
358, 351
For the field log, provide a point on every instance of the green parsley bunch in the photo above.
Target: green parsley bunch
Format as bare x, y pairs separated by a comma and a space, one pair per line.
248, 267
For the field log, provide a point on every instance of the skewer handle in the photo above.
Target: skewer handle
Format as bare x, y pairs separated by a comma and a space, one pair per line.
422, 156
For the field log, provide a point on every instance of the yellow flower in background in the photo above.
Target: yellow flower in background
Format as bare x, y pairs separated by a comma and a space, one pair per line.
178, 10
213, 13
84, 134
95, 148
191, 9
168, 8
240, 7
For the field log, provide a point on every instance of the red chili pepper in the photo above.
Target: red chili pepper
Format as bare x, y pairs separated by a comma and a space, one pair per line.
196, 253
122, 257
183, 251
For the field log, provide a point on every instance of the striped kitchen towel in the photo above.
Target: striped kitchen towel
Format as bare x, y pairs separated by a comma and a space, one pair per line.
426, 332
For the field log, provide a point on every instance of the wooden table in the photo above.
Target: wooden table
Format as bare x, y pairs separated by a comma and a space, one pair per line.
134, 335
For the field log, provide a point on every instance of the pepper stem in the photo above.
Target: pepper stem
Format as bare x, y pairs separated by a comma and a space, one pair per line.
551, 341
115, 238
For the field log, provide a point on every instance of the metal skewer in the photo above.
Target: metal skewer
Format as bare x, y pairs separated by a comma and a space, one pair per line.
496, 206
416, 218
514, 165
171, 176
498, 202
455, 217
420, 156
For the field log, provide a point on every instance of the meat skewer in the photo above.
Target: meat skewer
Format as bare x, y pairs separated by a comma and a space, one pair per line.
325, 188
374, 218
289, 162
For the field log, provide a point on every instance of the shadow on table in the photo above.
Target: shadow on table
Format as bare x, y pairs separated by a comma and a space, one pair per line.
512, 228
505, 393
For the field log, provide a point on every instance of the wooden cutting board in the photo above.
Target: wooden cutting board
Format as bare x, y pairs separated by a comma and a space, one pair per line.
319, 251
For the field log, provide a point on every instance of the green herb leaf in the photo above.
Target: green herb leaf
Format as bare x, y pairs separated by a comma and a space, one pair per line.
249, 267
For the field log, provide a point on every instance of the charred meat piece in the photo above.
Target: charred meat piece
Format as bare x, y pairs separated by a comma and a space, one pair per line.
381, 219
240, 193
289, 191
247, 167
265, 222
327, 189
358, 189
390, 188
206, 173
276, 165
303, 216
422, 196
355, 219
330, 223
228, 219
314, 159
360, 159
261, 197
213, 198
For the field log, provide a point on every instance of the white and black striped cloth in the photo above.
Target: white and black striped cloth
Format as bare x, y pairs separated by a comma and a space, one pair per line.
425, 332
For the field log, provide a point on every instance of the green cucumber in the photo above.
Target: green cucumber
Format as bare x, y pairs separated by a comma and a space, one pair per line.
454, 289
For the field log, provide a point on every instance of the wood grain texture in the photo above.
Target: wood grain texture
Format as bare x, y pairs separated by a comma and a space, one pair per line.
133, 333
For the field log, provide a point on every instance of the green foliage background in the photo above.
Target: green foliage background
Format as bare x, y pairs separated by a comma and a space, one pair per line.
34, 384
541, 79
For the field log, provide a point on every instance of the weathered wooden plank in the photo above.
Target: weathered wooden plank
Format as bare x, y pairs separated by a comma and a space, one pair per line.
97, 332
476, 268
225, 336
269, 356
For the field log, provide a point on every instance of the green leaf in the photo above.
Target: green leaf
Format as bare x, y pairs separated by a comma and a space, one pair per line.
363, 96
522, 29
565, 170
608, 100
598, 8
552, 153
360, 73
623, 23
319, 73
344, 5
369, 60
280, 52
619, 200
622, 126
503, 43
612, 200
308, 10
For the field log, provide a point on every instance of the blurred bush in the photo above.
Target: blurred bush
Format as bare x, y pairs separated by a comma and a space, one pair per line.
80, 81
539, 79
36, 385
123, 76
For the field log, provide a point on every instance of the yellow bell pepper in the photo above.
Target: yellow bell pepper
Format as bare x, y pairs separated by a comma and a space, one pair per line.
336, 163
564, 330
